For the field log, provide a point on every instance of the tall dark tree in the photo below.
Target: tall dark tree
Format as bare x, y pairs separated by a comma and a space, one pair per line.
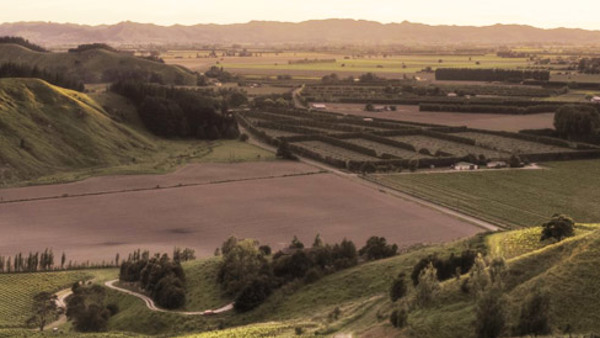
44, 309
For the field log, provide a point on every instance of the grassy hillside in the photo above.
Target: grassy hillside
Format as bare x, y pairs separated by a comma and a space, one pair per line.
94, 66
46, 129
567, 270
49, 134
515, 198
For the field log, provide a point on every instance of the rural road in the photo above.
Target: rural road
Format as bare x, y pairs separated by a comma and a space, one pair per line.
61, 297
152, 307
370, 184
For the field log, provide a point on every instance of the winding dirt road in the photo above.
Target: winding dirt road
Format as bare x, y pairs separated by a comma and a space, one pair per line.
152, 307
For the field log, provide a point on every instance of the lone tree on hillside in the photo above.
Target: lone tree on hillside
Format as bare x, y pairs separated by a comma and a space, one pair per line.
559, 227
44, 309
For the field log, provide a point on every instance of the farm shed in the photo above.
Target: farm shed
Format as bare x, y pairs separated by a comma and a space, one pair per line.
318, 106
595, 99
465, 166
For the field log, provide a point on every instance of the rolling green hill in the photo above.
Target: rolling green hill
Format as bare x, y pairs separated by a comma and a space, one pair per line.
46, 129
97, 65
566, 269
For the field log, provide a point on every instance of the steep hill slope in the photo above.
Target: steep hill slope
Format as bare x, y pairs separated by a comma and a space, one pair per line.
45, 129
97, 65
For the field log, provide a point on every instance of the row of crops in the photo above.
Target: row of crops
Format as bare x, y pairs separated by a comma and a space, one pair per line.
356, 143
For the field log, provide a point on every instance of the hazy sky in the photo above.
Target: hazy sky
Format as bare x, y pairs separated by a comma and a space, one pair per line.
547, 14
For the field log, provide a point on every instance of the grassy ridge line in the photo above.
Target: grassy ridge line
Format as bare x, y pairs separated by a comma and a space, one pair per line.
89, 66
48, 129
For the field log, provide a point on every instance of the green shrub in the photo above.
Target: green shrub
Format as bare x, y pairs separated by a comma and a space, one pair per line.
559, 227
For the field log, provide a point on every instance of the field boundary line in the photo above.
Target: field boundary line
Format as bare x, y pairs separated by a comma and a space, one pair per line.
158, 187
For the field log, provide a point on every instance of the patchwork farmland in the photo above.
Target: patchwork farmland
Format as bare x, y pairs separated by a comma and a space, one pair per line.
366, 144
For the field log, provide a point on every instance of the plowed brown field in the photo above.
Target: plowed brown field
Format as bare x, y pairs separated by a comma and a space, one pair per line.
203, 214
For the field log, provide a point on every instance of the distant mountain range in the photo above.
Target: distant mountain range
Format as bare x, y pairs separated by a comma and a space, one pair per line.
332, 31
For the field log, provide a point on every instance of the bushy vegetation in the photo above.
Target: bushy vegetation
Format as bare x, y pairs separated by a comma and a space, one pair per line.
172, 112
378, 248
578, 122
161, 277
445, 268
558, 228
11, 69
86, 308
589, 66
92, 46
220, 74
17, 40
248, 274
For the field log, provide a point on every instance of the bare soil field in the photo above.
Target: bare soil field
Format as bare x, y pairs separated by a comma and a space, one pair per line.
96, 227
481, 121
191, 174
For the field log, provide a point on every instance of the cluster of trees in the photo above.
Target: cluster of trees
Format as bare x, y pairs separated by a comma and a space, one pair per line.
91, 46
445, 268
116, 74
558, 228
511, 54
183, 255
38, 261
220, 74
491, 74
577, 122
488, 109
10, 69
485, 283
158, 275
86, 308
17, 40
589, 66
247, 274
273, 100
175, 112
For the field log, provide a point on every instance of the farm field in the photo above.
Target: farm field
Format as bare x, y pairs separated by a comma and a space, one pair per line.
384, 148
270, 210
191, 174
511, 145
517, 198
17, 290
329, 150
498, 122
393, 65
454, 148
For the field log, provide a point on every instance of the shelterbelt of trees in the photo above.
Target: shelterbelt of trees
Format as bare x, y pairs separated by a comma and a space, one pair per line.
11, 69
186, 113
